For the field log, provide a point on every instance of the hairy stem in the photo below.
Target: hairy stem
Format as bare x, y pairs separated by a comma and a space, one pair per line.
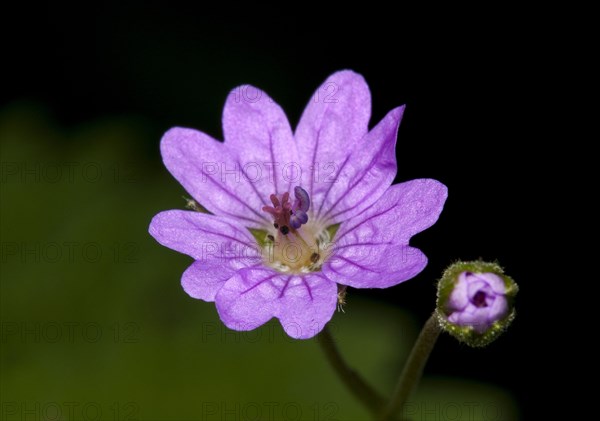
372, 400
413, 369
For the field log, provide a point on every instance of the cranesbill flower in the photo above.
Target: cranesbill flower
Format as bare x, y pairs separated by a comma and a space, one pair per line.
294, 215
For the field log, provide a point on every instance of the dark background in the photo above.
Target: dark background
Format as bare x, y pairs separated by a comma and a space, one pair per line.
156, 66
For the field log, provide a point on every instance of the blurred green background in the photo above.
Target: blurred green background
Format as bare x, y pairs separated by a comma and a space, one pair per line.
94, 323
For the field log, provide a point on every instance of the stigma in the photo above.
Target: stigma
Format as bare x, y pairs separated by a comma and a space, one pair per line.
287, 215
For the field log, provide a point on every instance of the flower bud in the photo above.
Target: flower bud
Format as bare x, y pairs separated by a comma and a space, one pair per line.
475, 302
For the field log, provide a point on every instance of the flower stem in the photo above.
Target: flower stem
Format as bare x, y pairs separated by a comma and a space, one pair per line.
413, 369
372, 400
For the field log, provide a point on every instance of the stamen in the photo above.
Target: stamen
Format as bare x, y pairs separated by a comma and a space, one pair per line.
302, 199
298, 218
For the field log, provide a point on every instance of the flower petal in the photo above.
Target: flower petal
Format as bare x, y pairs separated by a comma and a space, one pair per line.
335, 119
249, 299
459, 299
212, 174
203, 236
363, 176
498, 309
494, 281
472, 316
480, 318
257, 131
376, 266
303, 303
202, 280
308, 303
218, 244
371, 250
476, 286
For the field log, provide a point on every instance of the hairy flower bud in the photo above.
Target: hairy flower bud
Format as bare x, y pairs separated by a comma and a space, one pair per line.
475, 302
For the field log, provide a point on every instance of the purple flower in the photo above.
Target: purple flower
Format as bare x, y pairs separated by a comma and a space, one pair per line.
294, 214
478, 300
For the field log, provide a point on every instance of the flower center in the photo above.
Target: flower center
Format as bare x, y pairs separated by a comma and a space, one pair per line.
298, 245
479, 299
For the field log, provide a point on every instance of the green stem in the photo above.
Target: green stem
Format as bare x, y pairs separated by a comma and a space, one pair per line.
413, 369
372, 400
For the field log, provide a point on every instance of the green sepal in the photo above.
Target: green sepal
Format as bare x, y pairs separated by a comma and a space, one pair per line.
195, 206
260, 236
332, 230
